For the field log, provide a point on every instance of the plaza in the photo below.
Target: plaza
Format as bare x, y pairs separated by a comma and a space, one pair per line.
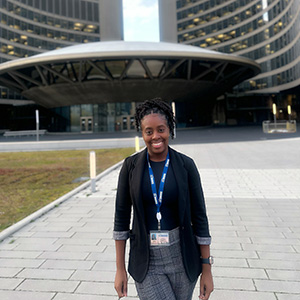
251, 186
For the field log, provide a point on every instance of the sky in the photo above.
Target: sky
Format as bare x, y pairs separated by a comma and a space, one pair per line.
141, 20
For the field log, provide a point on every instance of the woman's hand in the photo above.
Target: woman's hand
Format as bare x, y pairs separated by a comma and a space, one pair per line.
206, 283
121, 283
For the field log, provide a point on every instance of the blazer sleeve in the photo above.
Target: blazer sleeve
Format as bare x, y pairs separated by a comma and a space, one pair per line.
198, 209
123, 204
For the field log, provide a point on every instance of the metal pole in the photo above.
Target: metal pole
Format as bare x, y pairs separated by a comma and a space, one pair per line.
37, 124
289, 112
274, 113
174, 112
93, 171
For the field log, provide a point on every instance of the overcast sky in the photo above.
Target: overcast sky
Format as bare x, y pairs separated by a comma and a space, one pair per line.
141, 20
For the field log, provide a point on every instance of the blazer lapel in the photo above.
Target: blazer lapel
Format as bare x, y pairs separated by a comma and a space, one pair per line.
182, 182
136, 182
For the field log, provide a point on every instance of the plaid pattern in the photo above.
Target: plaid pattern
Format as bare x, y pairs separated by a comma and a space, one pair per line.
166, 277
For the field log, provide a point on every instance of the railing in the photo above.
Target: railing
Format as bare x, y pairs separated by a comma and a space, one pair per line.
24, 133
279, 126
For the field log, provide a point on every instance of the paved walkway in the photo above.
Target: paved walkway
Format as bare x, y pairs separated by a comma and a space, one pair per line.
253, 199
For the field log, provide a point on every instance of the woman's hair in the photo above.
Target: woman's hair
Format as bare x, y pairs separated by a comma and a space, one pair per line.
155, 106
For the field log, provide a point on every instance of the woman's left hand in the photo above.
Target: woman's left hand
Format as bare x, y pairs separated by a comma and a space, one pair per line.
206, 283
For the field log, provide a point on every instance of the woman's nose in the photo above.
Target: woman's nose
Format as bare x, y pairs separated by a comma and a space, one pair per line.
155, 134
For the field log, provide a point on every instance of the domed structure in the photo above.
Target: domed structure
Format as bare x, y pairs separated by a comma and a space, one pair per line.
119, 71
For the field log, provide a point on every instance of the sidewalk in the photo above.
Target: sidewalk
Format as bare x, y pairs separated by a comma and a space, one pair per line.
252, 194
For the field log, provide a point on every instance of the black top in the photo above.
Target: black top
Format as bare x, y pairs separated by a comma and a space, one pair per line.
169, 207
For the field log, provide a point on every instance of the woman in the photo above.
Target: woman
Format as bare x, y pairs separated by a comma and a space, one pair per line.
169, 236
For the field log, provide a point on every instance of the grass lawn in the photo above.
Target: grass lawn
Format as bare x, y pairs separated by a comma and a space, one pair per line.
31, 180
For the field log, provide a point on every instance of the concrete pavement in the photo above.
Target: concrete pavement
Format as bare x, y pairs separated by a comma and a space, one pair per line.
252, 194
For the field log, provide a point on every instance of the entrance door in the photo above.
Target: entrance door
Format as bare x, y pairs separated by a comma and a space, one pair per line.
128, 123
86, 124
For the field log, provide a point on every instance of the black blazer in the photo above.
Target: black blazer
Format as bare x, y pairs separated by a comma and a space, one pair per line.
191, 207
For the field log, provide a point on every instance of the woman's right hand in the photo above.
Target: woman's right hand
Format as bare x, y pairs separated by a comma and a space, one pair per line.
121, 283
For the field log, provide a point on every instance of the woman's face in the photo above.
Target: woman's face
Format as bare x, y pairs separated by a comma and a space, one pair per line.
156, 133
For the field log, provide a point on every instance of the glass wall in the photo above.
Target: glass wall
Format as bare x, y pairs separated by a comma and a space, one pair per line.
108, 117
75, 118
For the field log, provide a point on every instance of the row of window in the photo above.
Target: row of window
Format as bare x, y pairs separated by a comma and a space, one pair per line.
208, 4
56, 36
268, 49
40, 19
282, 60
5, 93
281, 5
215, 42
21, 33
79, 9
237, 18
218, 13
269, 82
238, 31
221, 36
9, 49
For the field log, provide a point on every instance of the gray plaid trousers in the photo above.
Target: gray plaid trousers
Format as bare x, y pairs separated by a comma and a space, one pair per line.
166, 278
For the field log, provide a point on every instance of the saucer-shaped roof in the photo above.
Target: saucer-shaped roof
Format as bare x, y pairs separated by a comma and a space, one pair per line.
121, 71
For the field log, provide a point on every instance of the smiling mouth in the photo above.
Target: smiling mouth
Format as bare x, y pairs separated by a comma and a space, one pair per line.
156, 145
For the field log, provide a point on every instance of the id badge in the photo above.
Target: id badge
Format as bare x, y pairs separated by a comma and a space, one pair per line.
159, 238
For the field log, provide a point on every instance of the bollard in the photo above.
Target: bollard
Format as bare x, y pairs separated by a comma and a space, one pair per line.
137, 144
93, 171
37, 124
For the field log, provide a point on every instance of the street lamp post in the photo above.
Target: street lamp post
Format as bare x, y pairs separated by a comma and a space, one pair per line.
274, 113
174, 112
289, 112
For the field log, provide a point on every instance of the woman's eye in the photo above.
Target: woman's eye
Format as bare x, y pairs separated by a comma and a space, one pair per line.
148, 132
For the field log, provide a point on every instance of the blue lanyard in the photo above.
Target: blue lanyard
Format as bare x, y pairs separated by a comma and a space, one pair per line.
158, 201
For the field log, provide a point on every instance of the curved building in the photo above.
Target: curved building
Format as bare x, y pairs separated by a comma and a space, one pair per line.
86, 85
29, 27
266, 31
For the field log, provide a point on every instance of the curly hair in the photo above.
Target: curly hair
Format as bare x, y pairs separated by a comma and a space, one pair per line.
155, 106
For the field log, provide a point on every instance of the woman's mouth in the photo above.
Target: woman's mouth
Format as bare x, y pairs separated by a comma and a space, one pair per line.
157, 145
